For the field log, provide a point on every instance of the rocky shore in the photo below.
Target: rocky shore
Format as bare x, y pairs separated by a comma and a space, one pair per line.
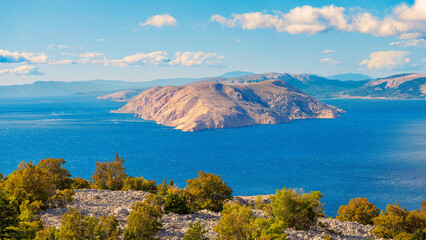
118, 203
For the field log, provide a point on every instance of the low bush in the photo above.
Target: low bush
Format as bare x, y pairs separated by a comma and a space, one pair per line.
298, 211
358, 210
175, 203
396, 222
139, 184
110, 175
195, 232
207, 191
80, 183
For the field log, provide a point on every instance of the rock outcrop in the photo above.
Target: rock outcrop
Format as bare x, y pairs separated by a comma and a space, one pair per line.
215, 105
118, 203
122, 96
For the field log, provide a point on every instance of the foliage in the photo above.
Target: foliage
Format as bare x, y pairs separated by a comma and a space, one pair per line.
29, 221
328, 237
62, 198
110, 175
139, 184
195, 232
75, 226
8, 216
29, 182
79, 183
207, 191
398, 222
143, 221
359, 210
237, 222
47, 233
176, 203
262, 204
298, 211
419, 234
59, 173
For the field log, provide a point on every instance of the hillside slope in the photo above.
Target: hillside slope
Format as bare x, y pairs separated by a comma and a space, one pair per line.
215, 105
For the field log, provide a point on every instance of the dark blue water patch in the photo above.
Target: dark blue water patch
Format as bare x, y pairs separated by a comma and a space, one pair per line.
376, 150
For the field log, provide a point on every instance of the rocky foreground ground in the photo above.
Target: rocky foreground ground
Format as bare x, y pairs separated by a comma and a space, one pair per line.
118, 203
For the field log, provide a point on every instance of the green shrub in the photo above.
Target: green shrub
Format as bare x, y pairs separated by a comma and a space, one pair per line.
47, 233
139, 184
328, 237
419, 234
207, 191
62, 198
175, 203
359, 210
238, 223
143, 222
396, 222
298, 211
29, 221
110, 175
195, 232
80, 183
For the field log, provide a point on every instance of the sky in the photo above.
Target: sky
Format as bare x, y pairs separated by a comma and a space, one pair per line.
70, 40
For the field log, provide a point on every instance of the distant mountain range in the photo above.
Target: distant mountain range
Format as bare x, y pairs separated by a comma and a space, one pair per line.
349, 77
410, 86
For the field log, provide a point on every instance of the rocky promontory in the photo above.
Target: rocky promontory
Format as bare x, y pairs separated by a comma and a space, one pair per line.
118, 203
215, 105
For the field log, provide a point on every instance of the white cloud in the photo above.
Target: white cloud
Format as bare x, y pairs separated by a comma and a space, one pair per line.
24, 70
66, 61
91, 57
69, 54
328, 51
52, 46
406, 22
101, 39
387, 60
156, 58
416, 13
160, 21
410, 43
329, 61
238, 40
24, 57
196, 59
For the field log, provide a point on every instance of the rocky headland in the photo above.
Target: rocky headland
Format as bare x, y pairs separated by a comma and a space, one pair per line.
215, 105
118, 203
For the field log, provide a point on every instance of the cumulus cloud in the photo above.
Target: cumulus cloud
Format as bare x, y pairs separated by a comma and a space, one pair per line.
24, 70
156, 58
328, 51
406, 22
91, 57
387, 60
329, 61
415, 13
24, 57
410, 43
160, 21
196, 59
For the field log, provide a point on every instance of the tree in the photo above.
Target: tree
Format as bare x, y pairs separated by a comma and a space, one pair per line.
397, 222
139, 184
110, 175
29, 182
176, 203
359, 210
8, 216
298, 211
59, 173
207, 191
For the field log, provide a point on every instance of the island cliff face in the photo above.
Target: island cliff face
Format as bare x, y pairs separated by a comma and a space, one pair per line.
214, 105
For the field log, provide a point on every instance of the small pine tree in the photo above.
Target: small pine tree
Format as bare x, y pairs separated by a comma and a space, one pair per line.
195, 232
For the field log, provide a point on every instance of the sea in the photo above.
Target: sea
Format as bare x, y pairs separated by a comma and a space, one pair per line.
376, 150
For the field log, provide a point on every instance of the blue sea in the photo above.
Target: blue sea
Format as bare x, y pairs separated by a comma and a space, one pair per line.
376, 150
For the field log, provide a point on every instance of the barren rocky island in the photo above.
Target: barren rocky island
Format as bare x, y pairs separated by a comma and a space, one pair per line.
202, 106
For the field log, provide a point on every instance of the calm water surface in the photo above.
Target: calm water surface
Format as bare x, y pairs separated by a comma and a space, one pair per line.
376, 150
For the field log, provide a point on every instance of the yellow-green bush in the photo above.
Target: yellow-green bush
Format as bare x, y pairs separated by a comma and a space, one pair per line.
358, 210
143, 222
8, 217
207, 191
195, 232
62, 198
396, 222
298, 211
59, 173
110, 175
80, 183
139, 184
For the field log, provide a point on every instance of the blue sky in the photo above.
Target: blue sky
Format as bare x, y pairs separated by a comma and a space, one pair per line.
144, 40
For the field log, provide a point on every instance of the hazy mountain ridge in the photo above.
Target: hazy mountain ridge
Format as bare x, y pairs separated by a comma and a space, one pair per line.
209, 105
349, 77
402, 86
